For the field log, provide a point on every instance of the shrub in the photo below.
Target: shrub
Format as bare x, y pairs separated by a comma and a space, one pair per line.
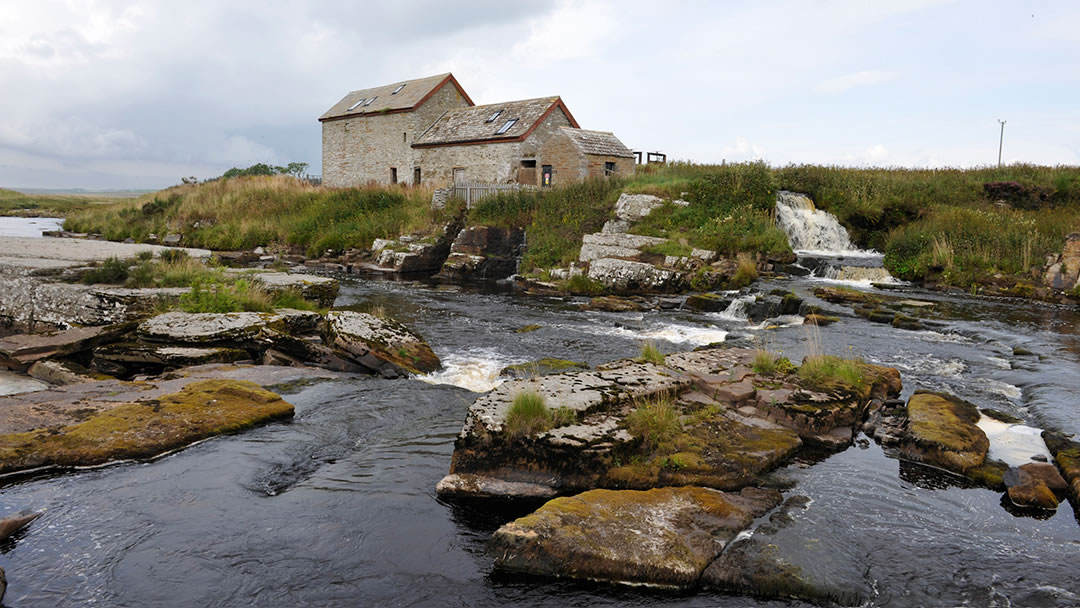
528, 415
651, 353
764, 363
111, 271
654, 422
582, 285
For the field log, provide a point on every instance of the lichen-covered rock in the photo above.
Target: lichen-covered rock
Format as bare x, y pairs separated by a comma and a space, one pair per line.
203, 328
614, 245
385, 347
941, 432
726, 425
785, 558
145, 428
635, 207
663, 537
1028, 488
626, 275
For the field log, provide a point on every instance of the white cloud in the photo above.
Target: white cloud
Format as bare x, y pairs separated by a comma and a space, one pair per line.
854, 80
241, 151
743, 150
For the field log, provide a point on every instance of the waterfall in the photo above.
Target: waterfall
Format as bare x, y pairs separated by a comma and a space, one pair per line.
810, 230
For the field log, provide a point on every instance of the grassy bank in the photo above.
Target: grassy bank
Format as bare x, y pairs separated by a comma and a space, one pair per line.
52, 205
246, 212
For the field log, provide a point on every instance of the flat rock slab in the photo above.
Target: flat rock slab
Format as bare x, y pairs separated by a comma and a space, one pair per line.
663, 537
144, 428
64, 405
29, 254
203, 328
24, 349
14, 384
385, 346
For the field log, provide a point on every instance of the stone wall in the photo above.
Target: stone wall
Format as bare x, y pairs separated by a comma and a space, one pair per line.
624, 167
488, 163
362, 149
566, 159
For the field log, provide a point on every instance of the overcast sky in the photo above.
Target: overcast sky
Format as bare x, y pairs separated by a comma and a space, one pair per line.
114, 94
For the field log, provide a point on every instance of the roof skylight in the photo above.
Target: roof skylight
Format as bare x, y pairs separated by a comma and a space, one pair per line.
494, 116
506, 127
368, 102
397, 90
356, 105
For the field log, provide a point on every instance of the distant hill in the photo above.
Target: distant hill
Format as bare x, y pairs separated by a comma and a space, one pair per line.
80, 192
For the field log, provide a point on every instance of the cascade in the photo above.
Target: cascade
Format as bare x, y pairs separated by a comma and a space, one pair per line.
809, 229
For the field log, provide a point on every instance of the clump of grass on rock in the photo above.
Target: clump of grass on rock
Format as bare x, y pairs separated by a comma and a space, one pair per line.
651, 353
529, 415
822, 370
655, 421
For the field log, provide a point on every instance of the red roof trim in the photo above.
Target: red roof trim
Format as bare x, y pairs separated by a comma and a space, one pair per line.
558, 103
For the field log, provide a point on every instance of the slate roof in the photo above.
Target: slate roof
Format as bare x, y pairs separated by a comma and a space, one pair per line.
474, 124
603, 143
409, 97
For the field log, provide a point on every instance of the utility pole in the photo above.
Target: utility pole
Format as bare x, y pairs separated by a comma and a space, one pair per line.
1001, 141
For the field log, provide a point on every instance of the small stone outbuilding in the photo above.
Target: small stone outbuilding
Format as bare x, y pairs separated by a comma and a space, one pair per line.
428, 131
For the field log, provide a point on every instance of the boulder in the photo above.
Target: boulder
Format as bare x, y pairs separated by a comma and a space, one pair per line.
13, 523
942, 432
60, 372
708, 302
662, 537
625, 275
786, 558
1066, 452
542, 367
615, 245
484, 253
384, 346
203, 328
619, 304
635, 207
1027, 487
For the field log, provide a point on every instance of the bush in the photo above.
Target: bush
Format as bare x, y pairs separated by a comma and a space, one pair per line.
745, 272
112, 271
654, 422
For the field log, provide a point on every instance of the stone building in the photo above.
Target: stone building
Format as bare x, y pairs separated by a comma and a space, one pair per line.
429, 131
368, 135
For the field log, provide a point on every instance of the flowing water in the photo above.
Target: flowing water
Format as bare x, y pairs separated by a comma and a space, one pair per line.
338, 508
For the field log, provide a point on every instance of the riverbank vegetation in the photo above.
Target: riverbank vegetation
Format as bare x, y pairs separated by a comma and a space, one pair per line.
955, 226
213, 288
55, 205
253, 211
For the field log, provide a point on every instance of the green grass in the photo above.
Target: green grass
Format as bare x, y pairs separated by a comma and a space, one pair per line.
246, 212
528, 415
53, 205
745, 273
651, 353
670, 247
655, 422
822, 370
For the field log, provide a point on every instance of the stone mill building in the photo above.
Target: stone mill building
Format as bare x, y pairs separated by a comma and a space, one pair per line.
429, 131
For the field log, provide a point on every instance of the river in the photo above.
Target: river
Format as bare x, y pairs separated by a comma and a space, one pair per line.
338, 507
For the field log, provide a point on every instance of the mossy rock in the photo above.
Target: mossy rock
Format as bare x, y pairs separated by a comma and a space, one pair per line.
941, 432
819, 319
542, 367
902, 321
990, 474
1000, 416
663, 537
707, 302
841, 295
527, 329
144, 429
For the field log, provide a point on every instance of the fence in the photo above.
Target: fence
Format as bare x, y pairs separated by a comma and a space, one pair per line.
473, 192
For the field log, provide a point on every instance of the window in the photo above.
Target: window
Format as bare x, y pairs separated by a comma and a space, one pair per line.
368, 102
609, 169
398, 90
404, 138
356, 105
494, 116
416, 175
393, 175
506, 127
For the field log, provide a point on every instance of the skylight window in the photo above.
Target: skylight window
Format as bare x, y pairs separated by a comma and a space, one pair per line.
494, 116
506, 127
368, 102
356, 105
398, 90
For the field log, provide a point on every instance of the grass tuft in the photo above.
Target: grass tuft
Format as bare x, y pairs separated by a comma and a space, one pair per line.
654, 422
528, 415
651, 353
822, 370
